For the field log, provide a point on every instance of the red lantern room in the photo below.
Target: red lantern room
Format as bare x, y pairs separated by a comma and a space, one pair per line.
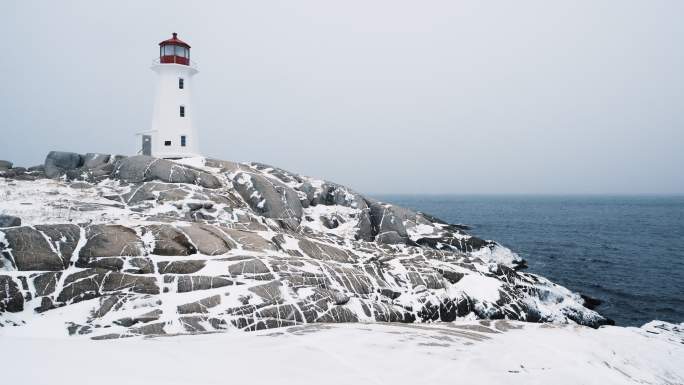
174, 50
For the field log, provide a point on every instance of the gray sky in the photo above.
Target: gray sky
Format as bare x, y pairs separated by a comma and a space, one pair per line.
384, 96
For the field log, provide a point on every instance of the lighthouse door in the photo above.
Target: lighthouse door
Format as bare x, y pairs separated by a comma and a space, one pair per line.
146, 145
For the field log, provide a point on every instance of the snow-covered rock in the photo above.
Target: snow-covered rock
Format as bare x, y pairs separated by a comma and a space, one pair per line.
143, 168
57, 163
118, 247
9, 221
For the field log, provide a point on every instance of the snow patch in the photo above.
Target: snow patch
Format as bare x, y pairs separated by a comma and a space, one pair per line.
479, 287
500, 352
496, 254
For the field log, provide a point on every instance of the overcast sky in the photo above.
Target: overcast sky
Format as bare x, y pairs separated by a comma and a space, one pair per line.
384, 96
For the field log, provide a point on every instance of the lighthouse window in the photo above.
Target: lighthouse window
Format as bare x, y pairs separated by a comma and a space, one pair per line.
181, 51
182, 111
167, 143
180, 83
182, 140
168, 50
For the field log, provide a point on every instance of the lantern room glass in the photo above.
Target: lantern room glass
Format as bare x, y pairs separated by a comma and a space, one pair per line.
172, 53
167, 50
174, 50
181, 51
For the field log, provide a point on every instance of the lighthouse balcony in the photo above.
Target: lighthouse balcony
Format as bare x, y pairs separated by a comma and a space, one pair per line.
174, 60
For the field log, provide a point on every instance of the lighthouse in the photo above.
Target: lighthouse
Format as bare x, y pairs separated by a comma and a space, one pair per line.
172, 134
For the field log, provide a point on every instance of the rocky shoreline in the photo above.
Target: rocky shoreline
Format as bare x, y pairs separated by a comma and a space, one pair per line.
128, 246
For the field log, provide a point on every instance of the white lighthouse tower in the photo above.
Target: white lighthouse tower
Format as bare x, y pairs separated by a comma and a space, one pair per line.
172, 134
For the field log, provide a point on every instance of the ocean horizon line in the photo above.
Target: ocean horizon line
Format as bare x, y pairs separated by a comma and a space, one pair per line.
512, 194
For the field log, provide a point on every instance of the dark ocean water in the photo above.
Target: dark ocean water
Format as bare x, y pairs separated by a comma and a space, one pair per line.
626, 251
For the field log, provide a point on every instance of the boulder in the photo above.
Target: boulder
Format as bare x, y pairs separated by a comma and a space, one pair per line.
102, 170
383, 312
119, 282
45, 283
187, 283
138, 265
337, 297
283, 175
149, 329
338, 315
108, 263
150, 191
92, 160
11, 173
278, 316
451, 275
224, 165
390, 293
168, 240
108, 303
450, 242
386, 218
309, 191
270, 198
38, 168
111, 241
143, 318
332, 221
26, 248
446, 310
250, 267
9, 221
200, 306
63, 237
142, 168
325, 252
364, 227
57, 163
390, 238
5, 165
334, 194
93, 283
353, 279
590, 302
181, 267
11, 299
208, 239
249, 240
269, 292
193, 324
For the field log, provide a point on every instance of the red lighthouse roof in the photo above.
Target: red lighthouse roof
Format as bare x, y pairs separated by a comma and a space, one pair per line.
175, 41
175, 51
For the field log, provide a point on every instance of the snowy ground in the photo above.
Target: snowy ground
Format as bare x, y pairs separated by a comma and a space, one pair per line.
484, 352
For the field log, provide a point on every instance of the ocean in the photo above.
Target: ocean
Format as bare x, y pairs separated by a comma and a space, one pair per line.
627, 251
